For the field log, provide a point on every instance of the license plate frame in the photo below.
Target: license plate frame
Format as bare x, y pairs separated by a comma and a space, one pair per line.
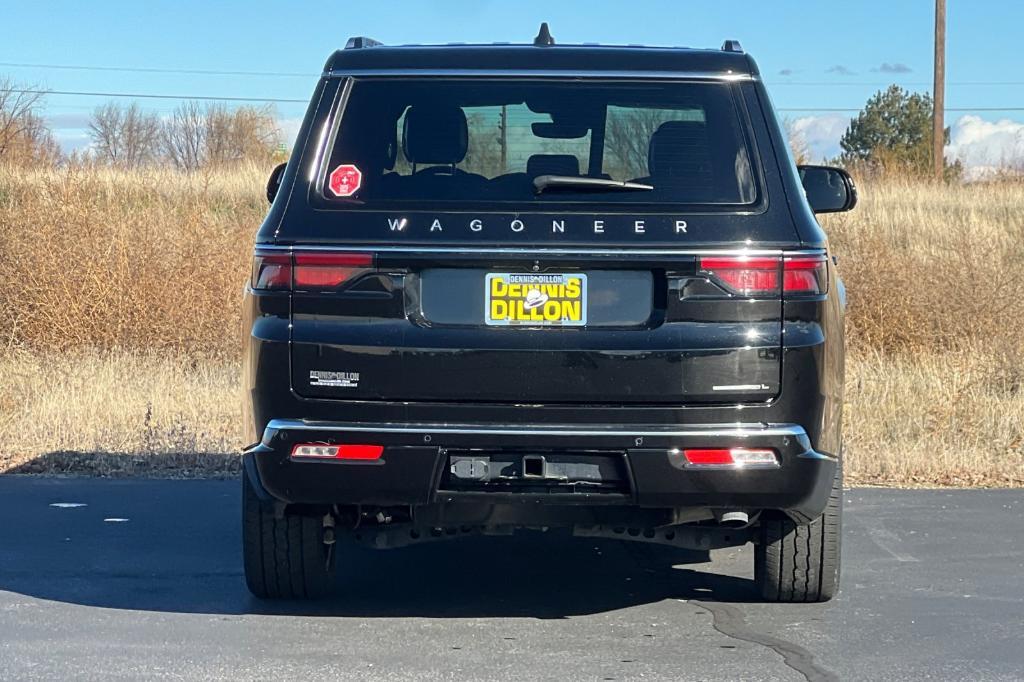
560, 301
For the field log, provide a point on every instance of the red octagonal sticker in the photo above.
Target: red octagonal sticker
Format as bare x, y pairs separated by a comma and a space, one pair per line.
344, 180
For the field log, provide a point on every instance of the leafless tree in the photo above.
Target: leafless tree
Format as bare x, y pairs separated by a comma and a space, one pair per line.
124, 136
213, 135
484, 154
219, 134
627, 137
184, 137
253, 135
24, 137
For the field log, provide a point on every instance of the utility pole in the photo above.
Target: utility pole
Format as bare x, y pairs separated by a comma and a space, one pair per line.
939, 91
503, 139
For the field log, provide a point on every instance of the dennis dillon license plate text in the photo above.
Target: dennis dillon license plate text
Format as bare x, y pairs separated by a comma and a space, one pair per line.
518, 299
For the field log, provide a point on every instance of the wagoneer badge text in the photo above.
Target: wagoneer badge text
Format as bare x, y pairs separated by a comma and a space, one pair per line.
577, 225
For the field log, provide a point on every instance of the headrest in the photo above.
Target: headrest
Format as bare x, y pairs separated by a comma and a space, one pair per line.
552, 164
678, 148
435, 134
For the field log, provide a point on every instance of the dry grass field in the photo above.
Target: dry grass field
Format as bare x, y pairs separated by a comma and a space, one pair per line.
120, 332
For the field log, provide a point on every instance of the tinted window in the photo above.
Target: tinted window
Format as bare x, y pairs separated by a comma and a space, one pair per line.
471, 140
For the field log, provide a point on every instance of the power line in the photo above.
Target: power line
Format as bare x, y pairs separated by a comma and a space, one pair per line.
136, 95
297, 74
776, 84
856, 109
284, 100
145, 69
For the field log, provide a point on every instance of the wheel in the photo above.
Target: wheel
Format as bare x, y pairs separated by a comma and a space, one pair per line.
800, 563
285, 558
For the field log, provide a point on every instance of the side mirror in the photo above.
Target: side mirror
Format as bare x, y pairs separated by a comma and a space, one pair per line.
274, 183
828, 189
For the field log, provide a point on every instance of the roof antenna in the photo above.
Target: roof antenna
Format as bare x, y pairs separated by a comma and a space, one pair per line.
544, 38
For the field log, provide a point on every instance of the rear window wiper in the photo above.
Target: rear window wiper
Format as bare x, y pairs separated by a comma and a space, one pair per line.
571, 182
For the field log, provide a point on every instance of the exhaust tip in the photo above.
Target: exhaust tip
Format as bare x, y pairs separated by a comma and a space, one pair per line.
734, 519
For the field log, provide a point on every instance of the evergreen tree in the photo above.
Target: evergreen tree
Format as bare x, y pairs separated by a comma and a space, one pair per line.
893, 132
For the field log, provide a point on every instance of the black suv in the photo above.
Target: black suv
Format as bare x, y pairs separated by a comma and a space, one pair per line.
544, 286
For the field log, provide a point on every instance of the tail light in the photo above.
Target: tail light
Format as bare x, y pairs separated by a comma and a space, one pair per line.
744, 275
347, 452
730, 457
805, 274
760, 276
314, 271
308, 270
272, 271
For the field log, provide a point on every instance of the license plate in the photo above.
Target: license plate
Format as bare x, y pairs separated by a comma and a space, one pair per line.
535, 300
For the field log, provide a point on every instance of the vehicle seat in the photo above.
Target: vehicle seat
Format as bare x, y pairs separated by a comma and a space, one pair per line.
552, 164
537, 164
437, 136
678, 157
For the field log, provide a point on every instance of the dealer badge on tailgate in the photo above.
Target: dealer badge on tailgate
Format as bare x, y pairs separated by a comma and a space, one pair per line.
529, 300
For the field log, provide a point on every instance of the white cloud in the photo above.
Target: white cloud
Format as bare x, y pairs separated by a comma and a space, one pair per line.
820, 133
70, 130
289, 130
71, 140
981, 145
841, 70
897, 67
78, 120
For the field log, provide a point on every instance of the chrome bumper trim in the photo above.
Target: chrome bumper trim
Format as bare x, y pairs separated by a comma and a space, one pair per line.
545, 251
739, 430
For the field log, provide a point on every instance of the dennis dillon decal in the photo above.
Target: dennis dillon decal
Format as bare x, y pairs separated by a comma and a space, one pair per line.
319, 377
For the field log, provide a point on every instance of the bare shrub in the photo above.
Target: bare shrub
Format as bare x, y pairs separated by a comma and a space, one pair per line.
120, 322
932, 267
118, 414
157, 258
99, 258
954, 418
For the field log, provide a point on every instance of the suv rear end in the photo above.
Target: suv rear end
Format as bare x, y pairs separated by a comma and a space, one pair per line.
566, 286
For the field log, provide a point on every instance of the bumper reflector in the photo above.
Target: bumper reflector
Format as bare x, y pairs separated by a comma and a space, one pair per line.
346, 451
730, 457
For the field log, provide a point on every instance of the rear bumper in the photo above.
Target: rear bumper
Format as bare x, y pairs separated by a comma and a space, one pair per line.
416, 455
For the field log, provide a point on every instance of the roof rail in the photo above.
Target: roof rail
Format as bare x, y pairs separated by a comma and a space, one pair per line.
732, 46
359, 42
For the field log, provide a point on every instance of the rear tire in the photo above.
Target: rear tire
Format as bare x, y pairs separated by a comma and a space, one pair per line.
284, 558
800, 563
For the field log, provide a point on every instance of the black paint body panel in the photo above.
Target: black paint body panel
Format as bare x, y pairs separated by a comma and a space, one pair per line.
424, 357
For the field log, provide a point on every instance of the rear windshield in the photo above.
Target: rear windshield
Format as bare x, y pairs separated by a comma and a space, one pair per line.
553, 141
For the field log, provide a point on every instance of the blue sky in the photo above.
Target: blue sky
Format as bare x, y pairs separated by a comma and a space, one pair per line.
814, 55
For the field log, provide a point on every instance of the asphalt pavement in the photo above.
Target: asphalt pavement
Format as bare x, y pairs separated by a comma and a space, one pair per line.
142, 579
